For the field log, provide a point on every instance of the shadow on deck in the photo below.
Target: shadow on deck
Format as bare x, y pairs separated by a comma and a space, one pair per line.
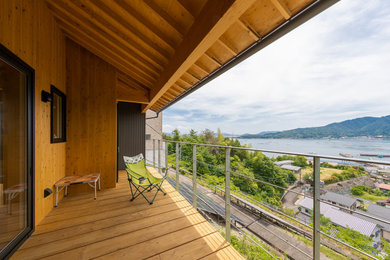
113, 227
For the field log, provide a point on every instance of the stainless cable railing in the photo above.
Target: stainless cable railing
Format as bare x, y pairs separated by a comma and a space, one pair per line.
316, 161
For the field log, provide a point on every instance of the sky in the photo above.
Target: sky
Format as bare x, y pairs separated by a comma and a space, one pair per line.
334, 67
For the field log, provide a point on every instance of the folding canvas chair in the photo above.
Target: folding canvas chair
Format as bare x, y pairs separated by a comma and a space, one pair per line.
140, 178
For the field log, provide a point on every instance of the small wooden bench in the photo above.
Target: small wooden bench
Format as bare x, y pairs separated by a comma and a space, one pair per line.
91, 179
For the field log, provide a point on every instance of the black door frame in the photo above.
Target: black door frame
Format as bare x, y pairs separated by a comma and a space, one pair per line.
8, 57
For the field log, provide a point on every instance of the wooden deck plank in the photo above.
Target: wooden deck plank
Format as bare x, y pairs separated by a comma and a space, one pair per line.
196, 249
113, 227
133, 239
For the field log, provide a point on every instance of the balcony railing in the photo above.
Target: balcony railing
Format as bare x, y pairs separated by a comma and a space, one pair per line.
259, 207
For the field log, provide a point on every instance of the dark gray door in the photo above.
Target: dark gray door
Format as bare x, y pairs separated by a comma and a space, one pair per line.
131, 131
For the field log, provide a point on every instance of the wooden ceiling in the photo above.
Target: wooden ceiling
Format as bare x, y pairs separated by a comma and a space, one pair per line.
162, 48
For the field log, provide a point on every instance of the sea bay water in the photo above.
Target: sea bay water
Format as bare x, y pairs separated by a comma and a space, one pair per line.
332, 147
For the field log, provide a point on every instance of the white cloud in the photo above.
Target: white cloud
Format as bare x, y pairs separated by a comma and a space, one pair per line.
332, 68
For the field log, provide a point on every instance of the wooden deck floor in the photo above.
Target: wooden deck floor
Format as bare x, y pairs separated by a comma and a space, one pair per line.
112, 227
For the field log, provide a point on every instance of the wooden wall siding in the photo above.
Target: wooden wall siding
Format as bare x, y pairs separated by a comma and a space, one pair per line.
29, 30
91, 116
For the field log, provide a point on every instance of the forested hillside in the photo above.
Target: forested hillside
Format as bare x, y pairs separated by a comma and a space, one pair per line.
365, 126
211, 164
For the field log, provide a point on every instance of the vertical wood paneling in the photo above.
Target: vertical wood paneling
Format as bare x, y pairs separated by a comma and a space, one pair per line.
28, 29
131, 131
91, 116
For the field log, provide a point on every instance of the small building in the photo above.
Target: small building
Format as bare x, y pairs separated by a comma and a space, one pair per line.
287, 165
285, 162
379, 212
343, 219
340, 200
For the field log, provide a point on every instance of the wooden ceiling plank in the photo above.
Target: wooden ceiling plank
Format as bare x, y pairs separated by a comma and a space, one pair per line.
132, 47
94, 49
201, 68
213, 59
147, 24
148, 53
180, 87
192, 7
251, 33
166, 17
228, 45
104, 7
85, 17
101, 50
183, 84
169, 95
174, 91
282, 8
130, 94
64, 16
129, 80
192, 76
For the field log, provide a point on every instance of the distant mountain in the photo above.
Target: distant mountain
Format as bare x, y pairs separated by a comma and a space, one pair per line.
364, 126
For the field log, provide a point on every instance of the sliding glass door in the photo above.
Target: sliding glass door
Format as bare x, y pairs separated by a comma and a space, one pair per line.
16, 151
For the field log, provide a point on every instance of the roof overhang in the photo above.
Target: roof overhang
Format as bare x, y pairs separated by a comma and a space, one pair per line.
165, 49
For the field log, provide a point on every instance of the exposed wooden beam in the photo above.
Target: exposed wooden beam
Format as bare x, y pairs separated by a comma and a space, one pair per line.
192, 75
183, 5
212, 59
130, 81
215, 18
180, 87
254, 35
105, 22
282, 8
175, 91
83, 16
128, 93
228, 45
106, 48
201, 68
123, 22
101, 50
169, 95
166, 17
152, 29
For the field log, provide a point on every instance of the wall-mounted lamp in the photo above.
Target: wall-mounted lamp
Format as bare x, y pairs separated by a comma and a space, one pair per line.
46, 96
47, 192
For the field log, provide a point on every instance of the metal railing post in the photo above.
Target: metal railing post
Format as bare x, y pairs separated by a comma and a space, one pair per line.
227, 193
154, 152
194, 176
177, 166
166, 158
316, 207
159, 155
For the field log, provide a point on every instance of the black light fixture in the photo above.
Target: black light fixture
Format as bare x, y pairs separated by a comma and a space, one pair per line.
46, 96
47, 192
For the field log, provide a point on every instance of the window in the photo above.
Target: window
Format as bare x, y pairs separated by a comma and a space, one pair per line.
58, 116
16, 151
147, 137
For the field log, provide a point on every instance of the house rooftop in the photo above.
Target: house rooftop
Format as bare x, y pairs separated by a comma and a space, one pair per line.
384, 186
339, 199
291, 167
377, 211
280, 163
341, 218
